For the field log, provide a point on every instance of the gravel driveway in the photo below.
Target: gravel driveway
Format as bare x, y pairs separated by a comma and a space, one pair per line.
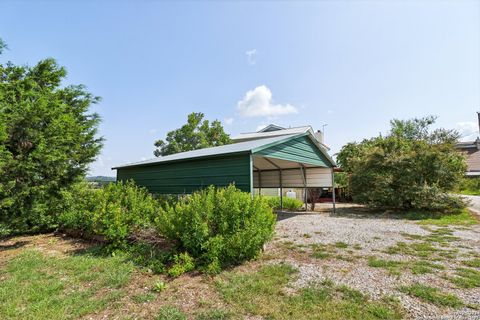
348, 243
474, 203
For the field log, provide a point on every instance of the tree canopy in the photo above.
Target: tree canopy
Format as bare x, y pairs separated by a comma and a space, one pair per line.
47, 140
195, 134
412, 167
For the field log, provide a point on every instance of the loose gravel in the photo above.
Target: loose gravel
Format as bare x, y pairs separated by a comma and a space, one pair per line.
371, 236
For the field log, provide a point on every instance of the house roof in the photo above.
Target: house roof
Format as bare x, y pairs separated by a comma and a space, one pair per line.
271, 127
267, 133
238, 147
468, 144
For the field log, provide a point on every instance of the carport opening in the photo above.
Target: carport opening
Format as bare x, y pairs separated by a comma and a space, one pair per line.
283, 178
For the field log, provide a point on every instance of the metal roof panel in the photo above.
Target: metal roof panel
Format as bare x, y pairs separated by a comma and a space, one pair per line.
238, 147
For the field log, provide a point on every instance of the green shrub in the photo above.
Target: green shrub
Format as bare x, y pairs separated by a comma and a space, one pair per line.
218, 227
115, 212
291, 204
469, 186
182, 263
79, 205
410, 168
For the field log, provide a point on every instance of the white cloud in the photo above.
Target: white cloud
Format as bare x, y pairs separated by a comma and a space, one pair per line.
152, 131
228, 121
468, 130
329, 111
251, 55
259, 103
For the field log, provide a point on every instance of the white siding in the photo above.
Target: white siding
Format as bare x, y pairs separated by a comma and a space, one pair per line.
270, 179
316, 177
292, 178
319, 177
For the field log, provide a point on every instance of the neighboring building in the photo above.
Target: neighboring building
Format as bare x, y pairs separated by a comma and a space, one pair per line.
472, 151
273, 157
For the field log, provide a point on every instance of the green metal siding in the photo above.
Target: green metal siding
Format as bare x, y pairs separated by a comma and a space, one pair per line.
187, 176
300, 149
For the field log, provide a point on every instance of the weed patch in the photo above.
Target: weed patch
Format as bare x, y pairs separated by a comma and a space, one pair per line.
393, 267
475, 263
466, 278
340, 245
144, 297
171, 313
419, 249
262, 294
422, 267
432, 295
321, 251
213, 314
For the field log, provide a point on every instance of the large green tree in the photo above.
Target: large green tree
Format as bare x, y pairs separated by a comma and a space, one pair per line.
195, 134
412, 167
48, 138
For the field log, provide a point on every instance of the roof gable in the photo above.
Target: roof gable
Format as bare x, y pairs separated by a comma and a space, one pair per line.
300, 148
271, 127
272, 133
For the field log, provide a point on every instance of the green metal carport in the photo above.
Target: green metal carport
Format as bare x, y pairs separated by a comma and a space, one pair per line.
287, 161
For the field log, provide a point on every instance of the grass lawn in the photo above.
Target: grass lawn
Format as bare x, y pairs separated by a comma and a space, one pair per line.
50, 277
37, 286
463, 218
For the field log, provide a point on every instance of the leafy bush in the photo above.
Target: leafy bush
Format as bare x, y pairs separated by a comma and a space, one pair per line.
79, 205
470, 186
115, 212
410, 168
291, 204
218, 227
182, 263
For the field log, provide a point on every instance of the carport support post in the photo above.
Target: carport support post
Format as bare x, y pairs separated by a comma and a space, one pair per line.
333, 190
281, 190
304, 176
251, 176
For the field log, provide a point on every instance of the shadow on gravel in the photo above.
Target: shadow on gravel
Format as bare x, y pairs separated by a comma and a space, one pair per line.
283, 215
345, 211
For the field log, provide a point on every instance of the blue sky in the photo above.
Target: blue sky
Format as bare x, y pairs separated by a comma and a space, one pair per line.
353, 65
